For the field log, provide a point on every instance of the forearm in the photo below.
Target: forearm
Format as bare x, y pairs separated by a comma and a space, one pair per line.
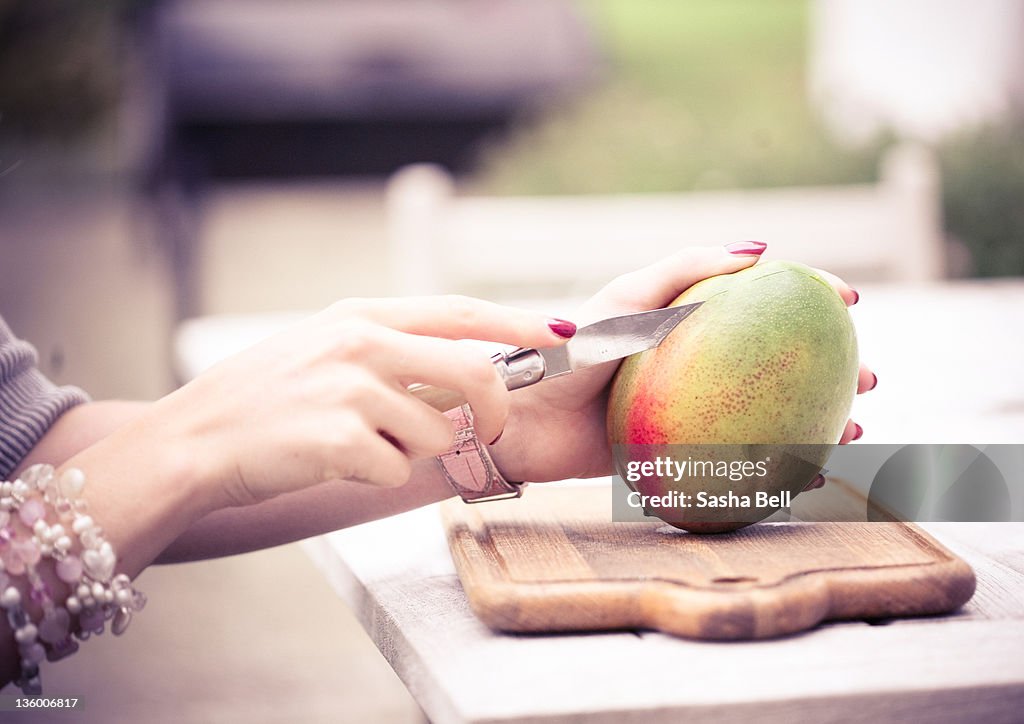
287, 518
320, 509
141, 494
80, 427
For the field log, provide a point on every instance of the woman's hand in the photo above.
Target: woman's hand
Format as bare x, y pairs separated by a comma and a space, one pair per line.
327, 399
556, 430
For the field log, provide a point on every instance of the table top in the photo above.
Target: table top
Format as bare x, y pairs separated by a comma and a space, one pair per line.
948, 357
399, 578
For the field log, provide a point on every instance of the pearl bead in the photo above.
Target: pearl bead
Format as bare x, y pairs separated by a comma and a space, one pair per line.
81, 524
122, 618
97, 591
82, 590
63, 544
26, 634
40, 527
72, 604
10, 598
124, 598
71, 482
92, 537
69, 569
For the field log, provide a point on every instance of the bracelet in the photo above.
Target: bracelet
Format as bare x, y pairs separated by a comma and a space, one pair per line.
468, 466
97, 594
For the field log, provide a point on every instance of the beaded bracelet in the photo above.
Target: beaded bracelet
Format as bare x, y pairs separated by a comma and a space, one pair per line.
97, 594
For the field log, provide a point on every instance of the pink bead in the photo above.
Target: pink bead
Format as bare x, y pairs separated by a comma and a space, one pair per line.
35, 653
69, 570
90, 620
54, 626
29, 550
12, 561
62, 649
31, 511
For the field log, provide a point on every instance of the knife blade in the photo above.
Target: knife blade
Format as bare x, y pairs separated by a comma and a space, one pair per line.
603, 341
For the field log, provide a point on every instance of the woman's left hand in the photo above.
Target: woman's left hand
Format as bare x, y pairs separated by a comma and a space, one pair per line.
556, 430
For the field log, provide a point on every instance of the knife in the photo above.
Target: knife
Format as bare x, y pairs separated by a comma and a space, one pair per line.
604, 341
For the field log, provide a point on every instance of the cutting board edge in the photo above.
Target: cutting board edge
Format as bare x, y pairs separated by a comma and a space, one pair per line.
797, 603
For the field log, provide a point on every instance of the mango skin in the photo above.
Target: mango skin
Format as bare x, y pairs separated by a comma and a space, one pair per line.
770, 358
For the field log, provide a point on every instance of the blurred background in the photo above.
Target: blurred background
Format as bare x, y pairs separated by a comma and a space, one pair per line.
178, 177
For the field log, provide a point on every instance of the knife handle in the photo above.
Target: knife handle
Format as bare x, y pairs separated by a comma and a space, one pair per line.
519, 368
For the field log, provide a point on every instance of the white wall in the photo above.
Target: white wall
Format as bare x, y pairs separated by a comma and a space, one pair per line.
920, 67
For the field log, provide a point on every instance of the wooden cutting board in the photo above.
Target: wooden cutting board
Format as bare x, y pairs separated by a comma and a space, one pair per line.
553, 561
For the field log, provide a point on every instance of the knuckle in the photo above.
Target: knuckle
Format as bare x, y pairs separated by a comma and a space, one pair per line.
465, 311
480, 371
359, 387
400, 471
356, 340
441, 436
347, 430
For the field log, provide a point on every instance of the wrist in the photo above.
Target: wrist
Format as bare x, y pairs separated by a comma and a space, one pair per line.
468, 466
146, 487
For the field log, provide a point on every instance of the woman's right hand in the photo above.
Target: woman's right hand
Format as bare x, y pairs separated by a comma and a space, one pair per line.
327, 398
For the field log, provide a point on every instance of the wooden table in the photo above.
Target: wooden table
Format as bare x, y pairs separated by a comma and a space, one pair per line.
949, 360
398, 577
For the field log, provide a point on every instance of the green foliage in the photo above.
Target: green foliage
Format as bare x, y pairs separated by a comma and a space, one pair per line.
983, 196
696, 95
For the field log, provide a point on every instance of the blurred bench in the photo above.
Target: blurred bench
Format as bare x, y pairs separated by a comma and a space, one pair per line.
568, 245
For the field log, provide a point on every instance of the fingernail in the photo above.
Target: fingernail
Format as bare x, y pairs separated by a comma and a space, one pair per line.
856, 296
562, 328
749, 248
874, 382
860, 432
495, 440
817, 482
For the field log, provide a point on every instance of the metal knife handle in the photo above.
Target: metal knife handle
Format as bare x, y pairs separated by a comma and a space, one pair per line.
519, 368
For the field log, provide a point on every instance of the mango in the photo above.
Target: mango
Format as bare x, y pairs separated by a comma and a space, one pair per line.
764, 371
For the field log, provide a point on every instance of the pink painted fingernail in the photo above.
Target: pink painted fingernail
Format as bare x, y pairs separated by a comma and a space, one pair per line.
562, 328
856, 296
874, 382
495, 440
748, 248
817, 482
859, 434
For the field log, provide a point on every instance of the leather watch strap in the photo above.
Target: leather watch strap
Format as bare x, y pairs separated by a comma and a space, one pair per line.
468, 467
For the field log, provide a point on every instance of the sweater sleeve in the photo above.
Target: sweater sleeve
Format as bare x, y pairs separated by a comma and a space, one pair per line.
29, 402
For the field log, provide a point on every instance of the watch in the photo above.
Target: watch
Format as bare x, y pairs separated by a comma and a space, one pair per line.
468, 467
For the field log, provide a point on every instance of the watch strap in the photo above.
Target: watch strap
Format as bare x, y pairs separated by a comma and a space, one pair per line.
469, 468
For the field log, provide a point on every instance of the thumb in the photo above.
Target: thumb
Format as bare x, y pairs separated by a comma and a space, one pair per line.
656, 285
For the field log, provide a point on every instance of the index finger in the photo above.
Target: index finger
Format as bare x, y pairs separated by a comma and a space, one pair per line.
459, 317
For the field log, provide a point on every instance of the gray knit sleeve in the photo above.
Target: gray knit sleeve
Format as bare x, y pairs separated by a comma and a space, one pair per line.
29, 403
